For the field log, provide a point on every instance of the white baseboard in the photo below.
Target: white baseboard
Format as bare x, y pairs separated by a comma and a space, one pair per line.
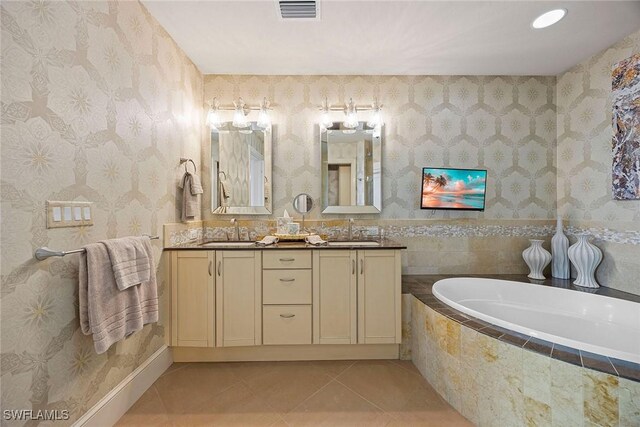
117, 402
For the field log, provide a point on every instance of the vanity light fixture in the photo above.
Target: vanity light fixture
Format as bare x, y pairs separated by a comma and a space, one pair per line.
325, 120
240, 112
239, 115
264, 120
213, 118
549, 18
350, 110
375, 121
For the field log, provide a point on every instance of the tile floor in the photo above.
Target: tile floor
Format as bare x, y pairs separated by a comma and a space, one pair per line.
331, 393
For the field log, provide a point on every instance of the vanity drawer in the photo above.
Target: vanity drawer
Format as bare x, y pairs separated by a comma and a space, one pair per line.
286, 324
286, 259
286, 287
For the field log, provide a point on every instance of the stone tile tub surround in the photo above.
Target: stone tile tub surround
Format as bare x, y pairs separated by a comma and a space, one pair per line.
494, 377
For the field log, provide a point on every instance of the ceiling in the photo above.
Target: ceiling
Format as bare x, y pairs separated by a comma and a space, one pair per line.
393, 37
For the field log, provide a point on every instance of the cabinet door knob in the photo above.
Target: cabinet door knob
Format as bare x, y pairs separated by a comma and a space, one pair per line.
287, 280
287, 259
210, 265
219, 268
287, 316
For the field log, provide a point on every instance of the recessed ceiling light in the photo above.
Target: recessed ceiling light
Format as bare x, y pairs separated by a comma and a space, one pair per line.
549, 18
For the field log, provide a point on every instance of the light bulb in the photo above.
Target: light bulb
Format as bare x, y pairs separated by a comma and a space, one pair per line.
213, 117
239, 118
352, 116
264, 120
325, 119
375, 121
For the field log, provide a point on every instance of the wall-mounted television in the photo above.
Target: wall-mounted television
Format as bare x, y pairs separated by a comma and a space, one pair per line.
455, 189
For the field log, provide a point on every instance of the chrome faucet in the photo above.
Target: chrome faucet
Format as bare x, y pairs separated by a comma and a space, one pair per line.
350, 229
235, 223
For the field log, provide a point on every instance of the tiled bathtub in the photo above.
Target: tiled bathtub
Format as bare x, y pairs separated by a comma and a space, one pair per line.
495, 378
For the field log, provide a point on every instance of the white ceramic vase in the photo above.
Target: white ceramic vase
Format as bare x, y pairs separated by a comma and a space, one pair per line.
585, 257
537, 258
560, 266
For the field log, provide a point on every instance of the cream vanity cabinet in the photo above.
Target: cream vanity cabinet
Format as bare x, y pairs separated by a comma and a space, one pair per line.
192, 298
215, 298
358, 296
260, 304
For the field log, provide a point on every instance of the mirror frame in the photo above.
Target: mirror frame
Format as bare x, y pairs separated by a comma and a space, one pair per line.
352, 209
268, 163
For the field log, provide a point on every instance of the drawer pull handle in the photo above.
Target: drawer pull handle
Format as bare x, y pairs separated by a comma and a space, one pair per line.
287, 259
287, 316
287, 280
219, 268
362, 266
353, 266
210, 265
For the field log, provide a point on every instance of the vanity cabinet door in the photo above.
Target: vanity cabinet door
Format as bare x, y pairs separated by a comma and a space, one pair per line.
334, 297
238, 298
192, 298
379, 293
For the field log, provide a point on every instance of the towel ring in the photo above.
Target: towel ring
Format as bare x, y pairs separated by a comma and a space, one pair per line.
223, 174
186, 161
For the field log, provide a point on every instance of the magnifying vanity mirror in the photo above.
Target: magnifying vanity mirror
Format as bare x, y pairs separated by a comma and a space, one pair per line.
241, 170
303, 203
351, 169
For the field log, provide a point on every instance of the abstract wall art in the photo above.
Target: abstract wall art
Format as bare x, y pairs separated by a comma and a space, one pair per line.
626, 129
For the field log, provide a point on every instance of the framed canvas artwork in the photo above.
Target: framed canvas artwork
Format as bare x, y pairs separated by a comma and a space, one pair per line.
626, 129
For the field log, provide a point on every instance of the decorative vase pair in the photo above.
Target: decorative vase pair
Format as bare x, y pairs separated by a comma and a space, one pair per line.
583, 255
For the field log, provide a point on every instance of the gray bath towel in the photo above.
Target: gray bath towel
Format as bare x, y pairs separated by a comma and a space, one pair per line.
130, 260
105, 311
191, 188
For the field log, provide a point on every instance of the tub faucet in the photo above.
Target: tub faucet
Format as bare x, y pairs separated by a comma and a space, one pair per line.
236, 233
350, 229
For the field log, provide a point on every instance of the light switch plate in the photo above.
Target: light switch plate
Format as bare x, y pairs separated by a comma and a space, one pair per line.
69, 214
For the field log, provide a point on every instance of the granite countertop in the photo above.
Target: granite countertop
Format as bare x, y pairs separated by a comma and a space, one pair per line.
201, 245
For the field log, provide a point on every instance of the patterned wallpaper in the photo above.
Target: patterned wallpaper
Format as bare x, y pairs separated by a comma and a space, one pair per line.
584, 140
98, 104
504, 124
585, 161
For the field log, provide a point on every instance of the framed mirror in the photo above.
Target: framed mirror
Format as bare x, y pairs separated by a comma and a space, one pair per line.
351, 169
241, 170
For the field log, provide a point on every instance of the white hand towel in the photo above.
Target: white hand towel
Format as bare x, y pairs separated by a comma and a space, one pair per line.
315, 240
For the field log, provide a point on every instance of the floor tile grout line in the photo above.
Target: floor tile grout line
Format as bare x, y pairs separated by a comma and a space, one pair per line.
167, 372
361, 396
310, 396
411, 371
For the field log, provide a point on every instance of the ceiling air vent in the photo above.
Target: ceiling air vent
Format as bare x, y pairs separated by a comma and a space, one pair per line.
298, 9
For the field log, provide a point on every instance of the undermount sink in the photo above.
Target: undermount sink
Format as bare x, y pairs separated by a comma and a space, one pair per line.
227, 244
354, 243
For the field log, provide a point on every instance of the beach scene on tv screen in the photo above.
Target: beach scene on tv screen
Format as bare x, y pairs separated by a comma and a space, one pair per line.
453, 188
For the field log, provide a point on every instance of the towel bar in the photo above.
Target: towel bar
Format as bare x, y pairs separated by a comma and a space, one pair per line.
44, 252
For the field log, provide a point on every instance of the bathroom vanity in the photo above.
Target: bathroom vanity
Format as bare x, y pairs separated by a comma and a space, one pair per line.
236, 301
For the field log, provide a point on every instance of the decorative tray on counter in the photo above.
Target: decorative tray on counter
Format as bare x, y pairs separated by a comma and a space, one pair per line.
292, 237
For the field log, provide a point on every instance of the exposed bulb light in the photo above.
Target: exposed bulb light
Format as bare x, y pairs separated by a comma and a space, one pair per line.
325, 119
375, 121
264, 120
351, 121
213, 117
549, 18
239, 116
